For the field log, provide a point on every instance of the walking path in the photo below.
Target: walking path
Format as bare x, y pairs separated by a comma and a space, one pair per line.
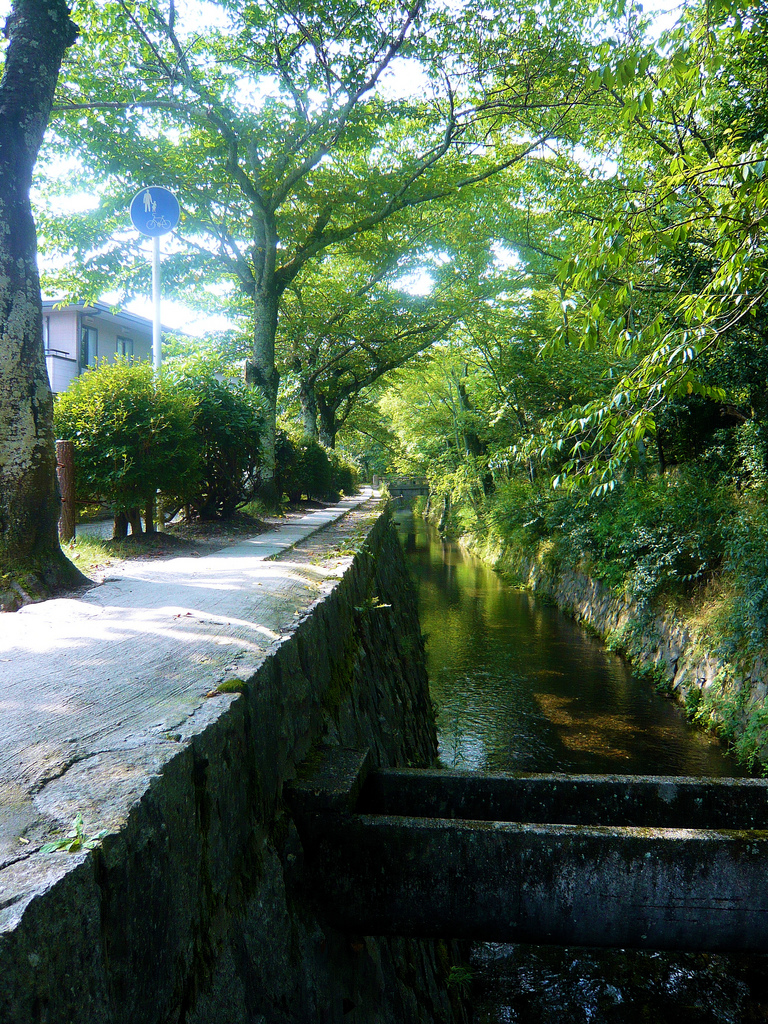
95, 682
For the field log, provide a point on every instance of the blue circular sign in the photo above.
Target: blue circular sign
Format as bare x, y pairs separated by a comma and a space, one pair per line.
155, 211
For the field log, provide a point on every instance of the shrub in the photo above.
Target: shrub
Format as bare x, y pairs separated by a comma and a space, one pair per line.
314, 469
344, 474
664, 534
303, 466
286, 478
227, 421
133, 435
746, 560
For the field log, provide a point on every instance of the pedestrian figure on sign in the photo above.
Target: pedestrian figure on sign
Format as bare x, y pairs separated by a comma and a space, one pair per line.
149, 206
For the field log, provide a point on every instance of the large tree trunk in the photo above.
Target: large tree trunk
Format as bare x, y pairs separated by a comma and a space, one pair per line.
120, 528
308, 401
134, 518
260, 370
328, 427
31, 561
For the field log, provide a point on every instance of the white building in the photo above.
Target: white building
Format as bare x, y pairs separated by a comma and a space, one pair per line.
76, 335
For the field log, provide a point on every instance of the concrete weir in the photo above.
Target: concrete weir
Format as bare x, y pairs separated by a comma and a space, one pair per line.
643, 862
169, 707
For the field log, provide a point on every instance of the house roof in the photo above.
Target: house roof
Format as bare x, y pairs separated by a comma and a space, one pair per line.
105, 312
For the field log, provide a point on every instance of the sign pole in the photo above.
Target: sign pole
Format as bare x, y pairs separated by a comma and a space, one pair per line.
157, 334
154, 212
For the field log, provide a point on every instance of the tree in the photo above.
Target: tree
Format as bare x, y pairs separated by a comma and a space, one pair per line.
277, 133
31, 561
227, 423
348, 321
674, 266
134, 436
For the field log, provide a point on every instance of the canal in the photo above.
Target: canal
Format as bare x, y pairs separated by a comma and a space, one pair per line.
518, 686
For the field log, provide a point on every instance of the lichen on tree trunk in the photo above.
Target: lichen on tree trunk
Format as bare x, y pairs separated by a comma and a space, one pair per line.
327, 412
31, 560
260, 372
308, 401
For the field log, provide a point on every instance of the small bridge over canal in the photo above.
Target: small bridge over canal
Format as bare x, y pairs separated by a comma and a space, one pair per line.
405, 489
621, 861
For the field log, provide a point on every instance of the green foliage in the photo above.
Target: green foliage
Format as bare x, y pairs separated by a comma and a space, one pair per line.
350, 319
313, 469
227, 420
751, 742
305, 467
664, 535
133, 434
193, 436
345, 476
645, 538
634, 636
302, 467
75, 840
722, 708
692, 701
746, 561
460, 977
284, 133
670, 272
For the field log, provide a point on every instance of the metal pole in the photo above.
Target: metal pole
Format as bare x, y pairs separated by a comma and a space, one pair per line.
156, 331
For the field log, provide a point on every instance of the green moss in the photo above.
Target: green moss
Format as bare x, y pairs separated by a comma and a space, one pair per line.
340, 683
233, 685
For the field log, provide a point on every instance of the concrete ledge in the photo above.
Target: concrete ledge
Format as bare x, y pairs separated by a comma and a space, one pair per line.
641, 800
624, 861
331, 780
567, 884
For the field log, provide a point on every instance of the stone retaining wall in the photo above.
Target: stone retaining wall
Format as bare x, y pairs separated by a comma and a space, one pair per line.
191, 912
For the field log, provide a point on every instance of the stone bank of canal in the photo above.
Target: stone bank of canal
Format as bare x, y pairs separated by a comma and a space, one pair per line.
520, 687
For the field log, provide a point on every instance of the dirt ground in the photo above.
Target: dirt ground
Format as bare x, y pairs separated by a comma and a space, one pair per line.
202, 538
338, 540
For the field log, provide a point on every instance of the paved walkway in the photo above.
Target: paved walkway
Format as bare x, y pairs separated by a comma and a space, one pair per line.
132, 659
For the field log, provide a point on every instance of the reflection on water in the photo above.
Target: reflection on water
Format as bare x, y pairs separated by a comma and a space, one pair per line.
556, 985
519, 686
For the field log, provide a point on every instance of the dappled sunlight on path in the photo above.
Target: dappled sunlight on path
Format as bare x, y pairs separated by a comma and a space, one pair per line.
136, 656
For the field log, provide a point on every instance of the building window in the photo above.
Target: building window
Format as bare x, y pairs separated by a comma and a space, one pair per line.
125, 347
89, 346
46, 334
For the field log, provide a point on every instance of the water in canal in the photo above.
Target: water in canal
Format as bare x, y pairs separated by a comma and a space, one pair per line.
520, 687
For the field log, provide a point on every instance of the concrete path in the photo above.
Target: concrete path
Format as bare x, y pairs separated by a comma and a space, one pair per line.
129, 662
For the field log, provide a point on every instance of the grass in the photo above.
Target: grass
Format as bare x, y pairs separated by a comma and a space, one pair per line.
92, 555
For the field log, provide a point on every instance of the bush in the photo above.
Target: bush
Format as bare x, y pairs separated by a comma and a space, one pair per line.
664, 535
301, 466
227, 420
746, 560
344, 474
314, 470
304, 466
133, 436
645, 537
